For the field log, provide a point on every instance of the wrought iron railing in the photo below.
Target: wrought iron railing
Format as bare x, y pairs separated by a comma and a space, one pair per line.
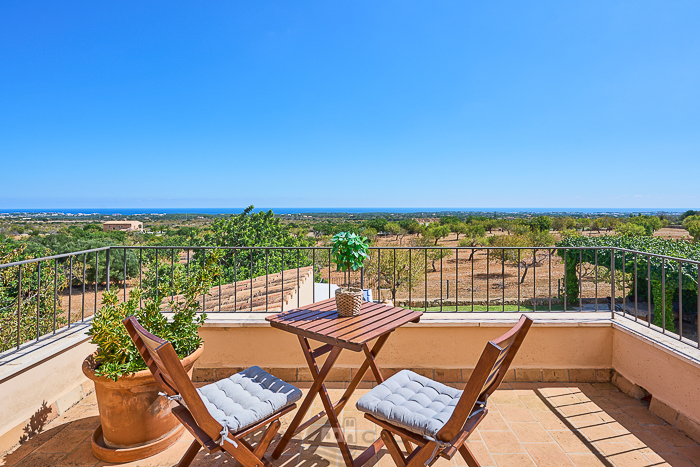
46, 296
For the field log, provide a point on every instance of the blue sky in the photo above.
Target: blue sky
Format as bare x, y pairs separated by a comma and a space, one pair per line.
350, 104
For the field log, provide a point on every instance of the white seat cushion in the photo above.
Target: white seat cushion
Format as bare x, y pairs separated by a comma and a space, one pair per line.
411, 401
247, 397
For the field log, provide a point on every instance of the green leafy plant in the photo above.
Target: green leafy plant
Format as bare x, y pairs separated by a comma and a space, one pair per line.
116, 353
349, 250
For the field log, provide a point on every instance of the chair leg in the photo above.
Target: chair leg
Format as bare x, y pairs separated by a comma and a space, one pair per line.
468, 456
393, 448
423, 456
190, 454
407, 444
266, 439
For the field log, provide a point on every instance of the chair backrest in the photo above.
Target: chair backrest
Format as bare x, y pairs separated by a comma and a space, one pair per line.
486, 377
170, 375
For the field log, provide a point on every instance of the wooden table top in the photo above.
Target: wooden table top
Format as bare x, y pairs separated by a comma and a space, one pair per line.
319, 321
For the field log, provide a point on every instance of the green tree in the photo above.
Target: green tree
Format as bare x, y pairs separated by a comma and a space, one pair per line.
35, 294
631, 229
513, 253
396, 270
411, 226
541, 224
393, 228
650, 224
692, 225
459, 228
436, 232
249, 231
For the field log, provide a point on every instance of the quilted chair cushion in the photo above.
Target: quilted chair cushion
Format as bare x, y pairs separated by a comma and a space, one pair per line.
411, 401
247, 397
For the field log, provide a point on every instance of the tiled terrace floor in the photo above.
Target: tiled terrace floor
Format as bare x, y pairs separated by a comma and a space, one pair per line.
545, 424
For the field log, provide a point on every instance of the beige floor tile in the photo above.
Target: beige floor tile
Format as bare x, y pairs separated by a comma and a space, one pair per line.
516, 413
548, 455
79, 457
647, 441
513, 460
671, 436
480, 452
620, 399
65, 441
493, 421
669, 460
571, 442
551, 421
587, 460
530, 432
41, 459
501, 442
641, 415
505, 397
692, 453
630, 459
534, 403
601, 433
611, 448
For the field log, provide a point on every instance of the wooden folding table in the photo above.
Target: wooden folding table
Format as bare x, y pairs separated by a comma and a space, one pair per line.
320, 322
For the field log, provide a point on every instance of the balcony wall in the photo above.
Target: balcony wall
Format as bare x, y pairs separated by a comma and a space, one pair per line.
561, 347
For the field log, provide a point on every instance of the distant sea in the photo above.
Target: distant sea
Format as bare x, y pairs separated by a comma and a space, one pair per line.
135, 211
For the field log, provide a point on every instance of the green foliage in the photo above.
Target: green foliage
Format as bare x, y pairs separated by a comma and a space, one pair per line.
410, 226
378, 224
541, 224
630, 229
448, 220
393, 228
396, 270
250, 229
692, 225
689, 213
514, 253
436, 231
35, 293
658, 268
562, 223
116, 353
349, 250
650, 224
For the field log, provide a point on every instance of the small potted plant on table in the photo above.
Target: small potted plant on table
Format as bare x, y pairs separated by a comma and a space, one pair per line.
135, 421
349, 252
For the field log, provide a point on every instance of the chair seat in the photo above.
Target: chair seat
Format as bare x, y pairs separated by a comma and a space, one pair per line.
411, 401
247, 398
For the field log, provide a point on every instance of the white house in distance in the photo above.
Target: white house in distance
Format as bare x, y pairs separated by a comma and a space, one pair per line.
122, 226
426, 220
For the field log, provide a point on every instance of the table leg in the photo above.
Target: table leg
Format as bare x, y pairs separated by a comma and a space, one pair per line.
319, 377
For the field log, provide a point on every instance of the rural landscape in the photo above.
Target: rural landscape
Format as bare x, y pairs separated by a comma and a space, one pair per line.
436, 261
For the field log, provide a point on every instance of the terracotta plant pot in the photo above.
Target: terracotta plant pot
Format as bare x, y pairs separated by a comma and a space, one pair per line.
135, 422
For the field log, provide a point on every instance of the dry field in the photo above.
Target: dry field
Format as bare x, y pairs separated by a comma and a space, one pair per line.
478, 280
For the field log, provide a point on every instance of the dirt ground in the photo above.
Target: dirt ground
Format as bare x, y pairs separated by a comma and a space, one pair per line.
480, 280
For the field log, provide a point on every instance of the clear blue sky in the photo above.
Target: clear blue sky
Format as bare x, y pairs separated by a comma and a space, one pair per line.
342, 104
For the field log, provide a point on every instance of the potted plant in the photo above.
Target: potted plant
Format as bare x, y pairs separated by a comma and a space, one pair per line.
349, 252
135, 421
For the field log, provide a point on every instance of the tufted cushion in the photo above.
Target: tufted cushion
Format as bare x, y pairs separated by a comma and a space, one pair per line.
247, 397
411, 401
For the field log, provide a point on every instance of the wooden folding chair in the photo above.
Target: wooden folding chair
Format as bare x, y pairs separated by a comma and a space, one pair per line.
436, 417
218, 419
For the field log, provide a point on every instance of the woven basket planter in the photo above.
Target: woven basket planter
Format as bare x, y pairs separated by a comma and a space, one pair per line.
348, 301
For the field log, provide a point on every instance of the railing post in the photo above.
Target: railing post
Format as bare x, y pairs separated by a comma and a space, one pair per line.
108, 266
612, 282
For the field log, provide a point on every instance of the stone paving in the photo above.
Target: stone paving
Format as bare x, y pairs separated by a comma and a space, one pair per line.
529, 424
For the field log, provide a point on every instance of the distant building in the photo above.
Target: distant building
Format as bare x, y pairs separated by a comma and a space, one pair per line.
425, 220
122, 226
